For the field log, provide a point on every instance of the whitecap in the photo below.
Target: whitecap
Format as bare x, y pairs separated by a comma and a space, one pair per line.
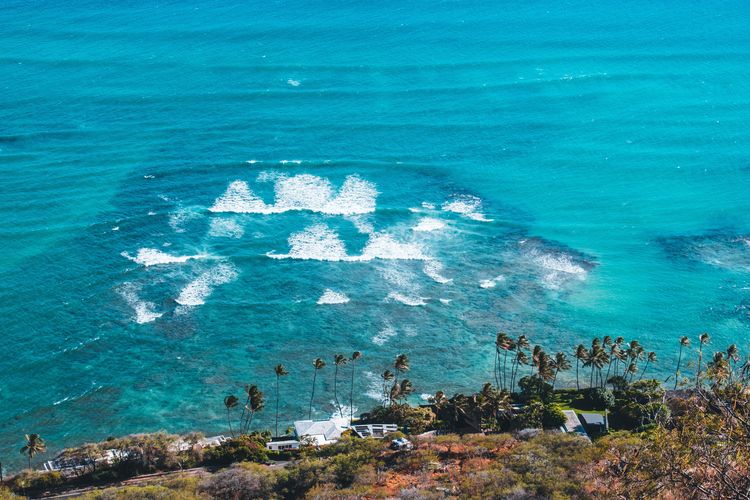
181, 216
197, 291
446, 301
225, 228
116, 228
319, 242
384, 334
239, 199
466, 205
331, 297
429, 224
152, 257
296, 162
434, 269
293, 83
492, 282
428, 205
144, 311
148, 176
556, 268
302, 192
251, 162
316, 242
407, 300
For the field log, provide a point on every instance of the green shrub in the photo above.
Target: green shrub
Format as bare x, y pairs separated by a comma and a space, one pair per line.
413, 420
553, 417
239, 449
600, 398
35, 481
533, 388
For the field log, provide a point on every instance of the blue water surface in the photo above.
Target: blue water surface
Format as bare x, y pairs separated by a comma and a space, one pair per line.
563, 170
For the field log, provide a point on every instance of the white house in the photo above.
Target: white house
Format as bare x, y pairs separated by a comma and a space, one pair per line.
318, 432
282, 444
377, 431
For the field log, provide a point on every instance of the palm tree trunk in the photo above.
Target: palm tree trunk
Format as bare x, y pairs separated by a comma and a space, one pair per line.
591, 377
497, 381
606, 377
505, 373
335, 388
644, 370
700, 358
277, 405
229, 421
351, 395
554, 380
578, 385
677, 371
312, 395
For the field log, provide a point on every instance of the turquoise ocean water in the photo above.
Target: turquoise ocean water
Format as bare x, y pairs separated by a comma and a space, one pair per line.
184, 182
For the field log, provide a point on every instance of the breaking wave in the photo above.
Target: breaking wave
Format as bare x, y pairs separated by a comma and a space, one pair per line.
331, 297
466, 205
302, 192
153, 257
144, 311
427, 224
197, 291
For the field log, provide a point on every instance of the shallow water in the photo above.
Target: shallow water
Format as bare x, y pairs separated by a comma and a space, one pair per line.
191, 193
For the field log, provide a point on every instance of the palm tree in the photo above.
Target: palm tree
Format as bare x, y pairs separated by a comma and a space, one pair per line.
34, 445
338, 360
581, 354
520, 359
355, 356
256, 402
229, 403
280, 372
522, 342
631, 370
561, 363
703, 339
387, 376
502, 342
318, 364
718, 368
651, 358
684, 342
401, 364
546, 367
733, 356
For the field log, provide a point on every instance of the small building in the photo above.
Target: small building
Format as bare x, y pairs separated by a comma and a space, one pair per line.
283, 443
377, 431
318, 432
594, 421
573, 424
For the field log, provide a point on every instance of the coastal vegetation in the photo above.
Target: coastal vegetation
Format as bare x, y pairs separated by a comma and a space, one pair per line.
504, 440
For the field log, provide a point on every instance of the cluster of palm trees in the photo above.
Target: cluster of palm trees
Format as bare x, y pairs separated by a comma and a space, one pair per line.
255, 400
540, 363
393, 390
621, 360
724, 367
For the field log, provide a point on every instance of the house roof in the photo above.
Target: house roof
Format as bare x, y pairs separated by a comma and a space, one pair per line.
593, 418
326, 428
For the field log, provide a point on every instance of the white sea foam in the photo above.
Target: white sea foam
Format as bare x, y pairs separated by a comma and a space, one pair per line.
556, 268
319, 242
445, 301
302, 192
148, 176
239, 199
374, 386
197, 291
363, 225
181, 216
407, 300
153, 257
428, 205
296, 162
425, 396
384, 334
293, 83
144, 311
331, 297
316, 242
225, 228
434, 269
467, 205
252, 162
429, 224
492, 282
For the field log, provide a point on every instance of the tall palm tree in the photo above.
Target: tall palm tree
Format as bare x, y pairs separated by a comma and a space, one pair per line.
280, 372
502, 342
546, 367
401, 364
387, 377
230, 402
651, 358
34, 445
356, 355
338, 360
581, 355
522, 342
561, 363
256, 402
631, 370
318, 364
718, 369
684, 342
520, 359
703, 339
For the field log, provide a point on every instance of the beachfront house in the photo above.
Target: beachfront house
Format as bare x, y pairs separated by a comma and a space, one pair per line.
377, 431
318, 432
283, 443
